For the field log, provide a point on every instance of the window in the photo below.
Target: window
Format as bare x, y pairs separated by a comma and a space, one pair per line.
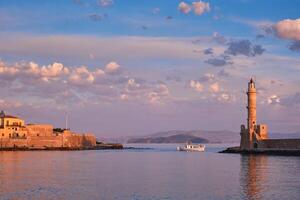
2, 134
7, 123
37, 134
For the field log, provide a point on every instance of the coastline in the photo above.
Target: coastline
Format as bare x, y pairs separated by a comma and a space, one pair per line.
115, 146
278, 152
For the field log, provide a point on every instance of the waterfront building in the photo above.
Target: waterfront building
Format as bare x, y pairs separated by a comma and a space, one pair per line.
14, 133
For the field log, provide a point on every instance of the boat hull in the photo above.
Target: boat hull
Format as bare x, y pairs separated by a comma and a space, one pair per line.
200, 149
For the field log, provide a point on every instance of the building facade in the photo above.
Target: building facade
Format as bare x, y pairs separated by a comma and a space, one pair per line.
14, 133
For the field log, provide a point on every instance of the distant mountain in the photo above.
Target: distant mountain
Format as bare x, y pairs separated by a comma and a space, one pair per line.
195, 136
181, 136
178, 138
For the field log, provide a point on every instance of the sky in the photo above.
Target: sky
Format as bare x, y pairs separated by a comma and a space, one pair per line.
134, 67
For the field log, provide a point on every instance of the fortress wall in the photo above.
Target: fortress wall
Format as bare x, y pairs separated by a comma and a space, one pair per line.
79, 141
39, 130
10, 143
71, 141
45, 141
279, 144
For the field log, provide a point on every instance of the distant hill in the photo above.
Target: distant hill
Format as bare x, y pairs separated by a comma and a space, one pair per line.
195, 136
181, 136
178, 138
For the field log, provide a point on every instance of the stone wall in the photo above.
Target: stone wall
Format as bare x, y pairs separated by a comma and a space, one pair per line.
40, 142
279, 144
11, 143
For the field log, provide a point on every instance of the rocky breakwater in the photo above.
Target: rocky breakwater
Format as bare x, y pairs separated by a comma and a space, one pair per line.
280, 152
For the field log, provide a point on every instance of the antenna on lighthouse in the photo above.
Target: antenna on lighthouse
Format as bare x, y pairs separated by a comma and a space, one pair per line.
66, 115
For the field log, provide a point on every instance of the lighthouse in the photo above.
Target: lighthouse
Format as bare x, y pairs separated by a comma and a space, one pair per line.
251, 108
251, 135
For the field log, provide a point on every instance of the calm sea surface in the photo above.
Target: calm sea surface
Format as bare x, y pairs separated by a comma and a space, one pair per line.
157, 173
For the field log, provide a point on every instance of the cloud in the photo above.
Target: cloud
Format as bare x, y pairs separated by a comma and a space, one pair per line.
274, 99
219, 38
288, 29
218, 62
214, 87
95, 17
169, 17
295, 46
223, 73
184, 7
196, 85
208, 51
175, 78
291, 100
62, 47
200, 7
54, 70
156, 11
7, 104
81, 76
208, 77
112, 68
244, 47
105, 3
158, 94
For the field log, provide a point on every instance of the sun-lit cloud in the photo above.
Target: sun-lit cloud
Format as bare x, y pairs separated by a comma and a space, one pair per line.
200, 7
215, 87
274, 99
288, 29
112, 68
184, 7
196, 85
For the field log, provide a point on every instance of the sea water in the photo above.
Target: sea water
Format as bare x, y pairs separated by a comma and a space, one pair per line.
150, 172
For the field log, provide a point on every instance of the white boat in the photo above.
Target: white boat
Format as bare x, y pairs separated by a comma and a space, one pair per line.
192, 147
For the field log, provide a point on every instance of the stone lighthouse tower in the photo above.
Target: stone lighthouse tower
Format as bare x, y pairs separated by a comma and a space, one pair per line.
251, 137
251, 121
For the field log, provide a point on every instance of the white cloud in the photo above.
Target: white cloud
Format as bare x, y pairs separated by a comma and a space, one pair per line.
112, 68
184, 7
288, 29
196, 85
274, 99
200, 7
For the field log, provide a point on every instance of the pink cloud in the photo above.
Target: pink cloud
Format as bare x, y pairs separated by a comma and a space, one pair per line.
200, 7
288, 29
184, 7
112, 68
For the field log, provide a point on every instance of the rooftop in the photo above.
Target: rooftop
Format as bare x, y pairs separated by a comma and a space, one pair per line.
3, 115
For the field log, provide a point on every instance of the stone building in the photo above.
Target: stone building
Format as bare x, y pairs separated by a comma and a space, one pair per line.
255, 136
15, 134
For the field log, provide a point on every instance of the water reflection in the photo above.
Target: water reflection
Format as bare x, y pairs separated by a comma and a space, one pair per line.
253, 173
